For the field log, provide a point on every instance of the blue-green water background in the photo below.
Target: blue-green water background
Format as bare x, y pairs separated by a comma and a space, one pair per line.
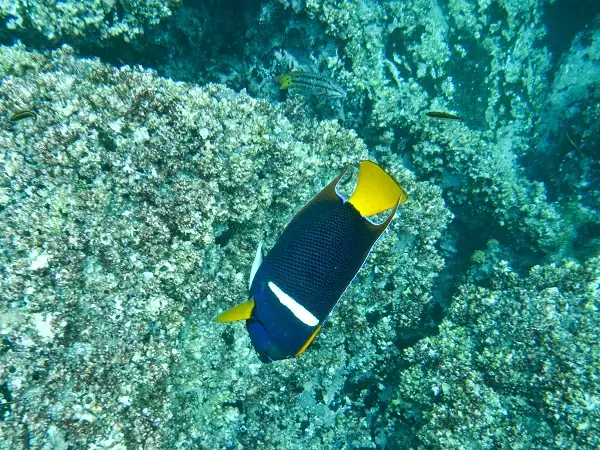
162, 152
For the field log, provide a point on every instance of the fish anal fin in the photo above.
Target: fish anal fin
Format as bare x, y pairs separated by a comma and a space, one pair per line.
376, 191
239, 312
309, 341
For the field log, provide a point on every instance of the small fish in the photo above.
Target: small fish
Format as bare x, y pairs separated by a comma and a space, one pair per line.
311, 83
294, 290
444, 115
23, 114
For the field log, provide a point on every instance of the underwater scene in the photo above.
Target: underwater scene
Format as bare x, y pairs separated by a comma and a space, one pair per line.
299, 224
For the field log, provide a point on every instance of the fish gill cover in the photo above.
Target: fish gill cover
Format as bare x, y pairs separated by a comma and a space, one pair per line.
150, 151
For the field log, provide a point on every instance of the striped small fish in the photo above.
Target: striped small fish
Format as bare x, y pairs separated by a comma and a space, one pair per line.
311, 83
23, 114
444, 115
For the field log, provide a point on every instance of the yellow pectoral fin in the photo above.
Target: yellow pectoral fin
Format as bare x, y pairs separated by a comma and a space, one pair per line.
376, 191
308, 342
239, 312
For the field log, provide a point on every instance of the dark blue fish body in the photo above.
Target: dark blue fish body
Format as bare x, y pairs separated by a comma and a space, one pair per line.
313, 262
305, 274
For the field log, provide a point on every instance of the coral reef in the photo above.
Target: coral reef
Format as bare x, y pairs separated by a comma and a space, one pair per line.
565, 157
96, 21
483, 59
131, 206
515, 365
130, 212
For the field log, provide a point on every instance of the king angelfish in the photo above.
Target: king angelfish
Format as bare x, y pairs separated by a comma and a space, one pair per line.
302, 279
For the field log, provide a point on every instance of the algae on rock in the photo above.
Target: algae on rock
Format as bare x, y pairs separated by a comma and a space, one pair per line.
134, 206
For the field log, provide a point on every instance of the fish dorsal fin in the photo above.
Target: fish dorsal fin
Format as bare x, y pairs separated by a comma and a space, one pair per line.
239, 312
375, 191
255, 264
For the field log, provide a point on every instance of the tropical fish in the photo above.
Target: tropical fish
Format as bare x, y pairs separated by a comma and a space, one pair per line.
23, 114
444, 115
301, 280
311, 83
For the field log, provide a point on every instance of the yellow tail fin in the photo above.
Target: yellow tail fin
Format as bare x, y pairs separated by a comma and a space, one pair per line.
239, 312
376, 191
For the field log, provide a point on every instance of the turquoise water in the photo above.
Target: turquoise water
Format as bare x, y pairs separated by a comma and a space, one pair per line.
146, 150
